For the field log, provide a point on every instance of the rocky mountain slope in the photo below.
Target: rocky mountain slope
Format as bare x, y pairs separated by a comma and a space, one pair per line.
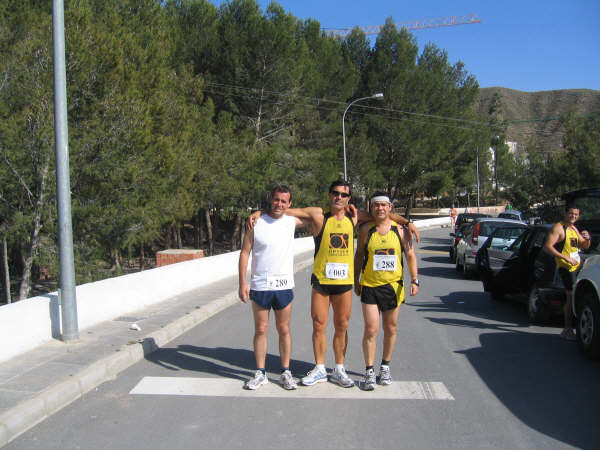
535, 114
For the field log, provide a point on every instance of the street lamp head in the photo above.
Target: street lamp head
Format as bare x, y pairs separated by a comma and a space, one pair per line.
378, 95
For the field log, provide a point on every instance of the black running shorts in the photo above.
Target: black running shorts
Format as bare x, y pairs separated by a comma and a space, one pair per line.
386, 297
329, 289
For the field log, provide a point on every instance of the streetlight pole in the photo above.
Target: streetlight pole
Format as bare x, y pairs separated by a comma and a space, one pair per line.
477, 179
378, 95
67, 294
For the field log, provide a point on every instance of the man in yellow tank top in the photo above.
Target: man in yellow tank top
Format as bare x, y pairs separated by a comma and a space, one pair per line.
564, 242
380, 246
332, 276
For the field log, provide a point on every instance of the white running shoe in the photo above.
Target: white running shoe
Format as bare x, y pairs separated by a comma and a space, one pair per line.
287, 381
316, 375
385, 376
256, 382
341, 377
369, 382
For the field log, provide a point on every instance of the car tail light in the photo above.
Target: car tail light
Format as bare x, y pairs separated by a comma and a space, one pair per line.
476, 234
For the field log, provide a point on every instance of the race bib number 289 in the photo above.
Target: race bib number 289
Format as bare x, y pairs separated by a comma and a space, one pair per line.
278, 282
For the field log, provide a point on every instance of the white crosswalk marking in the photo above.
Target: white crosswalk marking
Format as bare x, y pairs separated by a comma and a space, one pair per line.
223, 387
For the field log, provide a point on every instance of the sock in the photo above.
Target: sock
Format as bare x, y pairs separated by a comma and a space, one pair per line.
339, 367
321, 366
283, 369
385, 363
369, 368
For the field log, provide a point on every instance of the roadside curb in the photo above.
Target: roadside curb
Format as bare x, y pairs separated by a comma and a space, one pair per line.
29, 413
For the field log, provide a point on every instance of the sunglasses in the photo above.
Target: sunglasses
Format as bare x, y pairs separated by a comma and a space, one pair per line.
341, 194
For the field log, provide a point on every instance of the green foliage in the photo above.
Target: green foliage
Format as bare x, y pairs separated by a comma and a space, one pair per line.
177, 106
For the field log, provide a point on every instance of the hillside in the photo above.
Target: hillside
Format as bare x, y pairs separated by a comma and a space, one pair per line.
534, 114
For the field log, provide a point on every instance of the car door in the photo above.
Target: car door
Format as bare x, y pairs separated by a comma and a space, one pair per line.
462, 244
503, 262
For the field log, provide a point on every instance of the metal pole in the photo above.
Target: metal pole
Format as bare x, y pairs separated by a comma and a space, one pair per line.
70, 328
378, 95
477, 179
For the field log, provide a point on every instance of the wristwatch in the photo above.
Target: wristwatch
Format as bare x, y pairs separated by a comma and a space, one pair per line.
415, 281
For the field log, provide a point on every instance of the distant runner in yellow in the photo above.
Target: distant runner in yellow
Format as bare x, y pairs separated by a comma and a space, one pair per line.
564, 242
379, 281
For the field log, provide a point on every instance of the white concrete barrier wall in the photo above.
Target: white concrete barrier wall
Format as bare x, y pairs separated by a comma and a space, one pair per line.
26, 324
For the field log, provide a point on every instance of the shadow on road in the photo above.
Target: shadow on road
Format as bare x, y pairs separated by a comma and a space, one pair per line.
219, 361
543, 380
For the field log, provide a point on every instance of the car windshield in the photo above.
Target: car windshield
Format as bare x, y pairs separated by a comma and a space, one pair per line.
516, 245
487, 228
502, 238
509, 216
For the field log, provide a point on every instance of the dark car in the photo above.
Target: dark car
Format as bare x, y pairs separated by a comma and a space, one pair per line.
467, 218
524, 268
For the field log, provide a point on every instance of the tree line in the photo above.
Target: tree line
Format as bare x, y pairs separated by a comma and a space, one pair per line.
181, 114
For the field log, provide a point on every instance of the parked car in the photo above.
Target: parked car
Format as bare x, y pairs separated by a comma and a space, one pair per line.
456, 237
586, 307
586, 293
525, 269
512, 214
473, 239
467, 218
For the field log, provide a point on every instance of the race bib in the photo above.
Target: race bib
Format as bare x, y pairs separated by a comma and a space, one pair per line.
575, 256
336, 271
278, 282
386, 263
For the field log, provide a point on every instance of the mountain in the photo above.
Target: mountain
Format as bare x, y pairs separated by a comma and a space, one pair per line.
536, 114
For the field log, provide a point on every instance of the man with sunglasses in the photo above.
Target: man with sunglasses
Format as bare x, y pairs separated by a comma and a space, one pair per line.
333, 276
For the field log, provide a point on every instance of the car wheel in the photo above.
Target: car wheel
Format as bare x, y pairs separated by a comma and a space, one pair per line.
588, 326
536, 306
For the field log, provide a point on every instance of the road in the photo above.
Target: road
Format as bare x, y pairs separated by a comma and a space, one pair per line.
469, 373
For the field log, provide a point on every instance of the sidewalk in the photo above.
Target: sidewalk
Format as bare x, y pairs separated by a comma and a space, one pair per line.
35, 385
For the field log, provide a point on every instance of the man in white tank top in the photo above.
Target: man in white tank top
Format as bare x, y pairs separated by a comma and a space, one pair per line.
271, 243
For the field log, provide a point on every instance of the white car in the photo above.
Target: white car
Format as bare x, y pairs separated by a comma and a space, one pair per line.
474, 237
586, 307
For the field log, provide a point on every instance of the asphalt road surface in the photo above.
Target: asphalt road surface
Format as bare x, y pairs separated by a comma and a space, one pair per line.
468, 373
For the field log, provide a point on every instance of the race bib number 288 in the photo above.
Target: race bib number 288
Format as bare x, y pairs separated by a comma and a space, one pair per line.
386, 263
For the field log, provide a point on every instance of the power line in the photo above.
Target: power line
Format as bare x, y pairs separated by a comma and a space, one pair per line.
250, 93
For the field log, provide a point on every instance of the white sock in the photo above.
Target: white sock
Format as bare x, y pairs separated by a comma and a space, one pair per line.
321, 366
339, 367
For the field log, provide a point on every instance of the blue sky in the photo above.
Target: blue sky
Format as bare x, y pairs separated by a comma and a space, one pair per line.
526, 45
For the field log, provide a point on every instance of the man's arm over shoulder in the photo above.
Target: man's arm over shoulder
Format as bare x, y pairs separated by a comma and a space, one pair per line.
407, 224
310, 213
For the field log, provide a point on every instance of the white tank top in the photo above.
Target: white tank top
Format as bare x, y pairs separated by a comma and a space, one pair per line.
273, 254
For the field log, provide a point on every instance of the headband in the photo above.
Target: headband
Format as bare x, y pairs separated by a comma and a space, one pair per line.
381, 198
